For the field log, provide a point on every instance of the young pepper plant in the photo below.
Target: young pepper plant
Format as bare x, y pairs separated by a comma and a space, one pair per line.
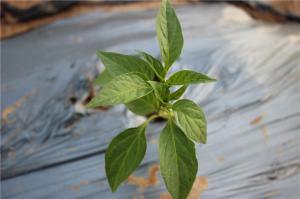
141, 83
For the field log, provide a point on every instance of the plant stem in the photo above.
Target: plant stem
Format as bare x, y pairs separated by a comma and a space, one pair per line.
152, 117
162, 79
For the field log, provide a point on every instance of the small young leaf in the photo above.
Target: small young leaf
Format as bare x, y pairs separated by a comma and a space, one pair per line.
178, 161
124, 154
122, 89
161, 90
178, 93
144, 105
169, 34
155, 64
191, 119
118, 64
103, 78
185, 77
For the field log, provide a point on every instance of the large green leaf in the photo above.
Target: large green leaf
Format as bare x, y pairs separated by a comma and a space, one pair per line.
161, 90
122, 89
124, 154
118, 64
191, 119
144, 105
155, 64
169, 34
178, 93
178, 162
103, 78
185, 77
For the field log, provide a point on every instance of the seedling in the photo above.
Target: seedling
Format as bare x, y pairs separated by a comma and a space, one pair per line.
141, 83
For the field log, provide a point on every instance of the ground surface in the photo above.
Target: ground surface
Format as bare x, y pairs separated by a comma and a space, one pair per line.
51, 148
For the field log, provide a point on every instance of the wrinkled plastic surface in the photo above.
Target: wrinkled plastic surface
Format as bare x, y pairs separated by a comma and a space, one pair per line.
52, 148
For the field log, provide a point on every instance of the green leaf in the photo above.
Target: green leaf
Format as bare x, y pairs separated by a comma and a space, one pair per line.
161, 90
122, 89
124, 154
155, 64
103, 78
178, 93
169, 34
191, 119
178, 162
185, 77
144, 105
118, 64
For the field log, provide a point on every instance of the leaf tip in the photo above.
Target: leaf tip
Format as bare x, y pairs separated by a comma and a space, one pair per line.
213, 79
99, 54
91, 104
113, 189
113, 186
167, 1
198, 140
202, 139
